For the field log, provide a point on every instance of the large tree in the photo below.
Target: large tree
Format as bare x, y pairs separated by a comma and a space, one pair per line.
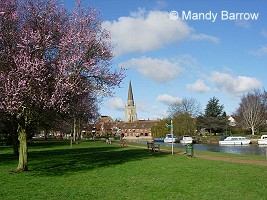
51, 59
213, 108
252, 110
160, 130
183, 114
187, 105
214, 118
184, 124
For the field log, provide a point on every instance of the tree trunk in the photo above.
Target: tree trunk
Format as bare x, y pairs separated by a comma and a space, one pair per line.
23, 149
74, 129
252, 130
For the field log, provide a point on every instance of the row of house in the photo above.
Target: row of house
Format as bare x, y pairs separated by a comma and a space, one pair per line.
106, 126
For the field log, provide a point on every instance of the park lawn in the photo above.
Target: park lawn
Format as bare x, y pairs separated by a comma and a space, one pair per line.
95, 170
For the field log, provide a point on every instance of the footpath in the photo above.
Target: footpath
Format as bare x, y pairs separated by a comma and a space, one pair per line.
213, 157
234, 160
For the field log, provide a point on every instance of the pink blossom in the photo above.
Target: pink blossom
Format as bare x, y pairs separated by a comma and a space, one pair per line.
54, 60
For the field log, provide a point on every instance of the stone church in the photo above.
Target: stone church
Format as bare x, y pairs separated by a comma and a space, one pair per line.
130, 107
131, 127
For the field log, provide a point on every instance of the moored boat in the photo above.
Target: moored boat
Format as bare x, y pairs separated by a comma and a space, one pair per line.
263, 140
231, 140
170, 138
159, 139
186, 140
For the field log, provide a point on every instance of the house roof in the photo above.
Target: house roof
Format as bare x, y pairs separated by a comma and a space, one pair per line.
140, 124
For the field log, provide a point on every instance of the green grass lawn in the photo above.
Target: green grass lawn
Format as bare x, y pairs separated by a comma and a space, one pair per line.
95, 170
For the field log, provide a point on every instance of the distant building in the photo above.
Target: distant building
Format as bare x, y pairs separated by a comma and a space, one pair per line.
130, 108
138, 128
109, 127
130, 127
231, 121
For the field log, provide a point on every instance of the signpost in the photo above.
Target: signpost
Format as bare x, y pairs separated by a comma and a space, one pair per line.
172, 135
171, 127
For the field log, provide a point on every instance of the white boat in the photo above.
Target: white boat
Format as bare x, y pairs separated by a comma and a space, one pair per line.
263, 140
170, 138
186, 140
230, 140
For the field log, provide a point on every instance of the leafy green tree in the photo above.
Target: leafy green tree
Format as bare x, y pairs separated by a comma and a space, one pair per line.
183, 114
160, 130
184, 124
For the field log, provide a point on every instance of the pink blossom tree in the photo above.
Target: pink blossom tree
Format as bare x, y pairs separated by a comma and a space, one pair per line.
51, 59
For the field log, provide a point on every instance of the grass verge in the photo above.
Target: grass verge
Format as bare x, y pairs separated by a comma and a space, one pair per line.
95, 170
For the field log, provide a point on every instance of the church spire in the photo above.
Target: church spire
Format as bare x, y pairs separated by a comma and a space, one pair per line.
130, 108
130, 101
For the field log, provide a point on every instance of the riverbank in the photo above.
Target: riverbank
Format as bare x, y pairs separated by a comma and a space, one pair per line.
242, 159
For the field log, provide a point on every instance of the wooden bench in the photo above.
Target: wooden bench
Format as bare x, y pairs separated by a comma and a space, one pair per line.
152, 146
108, 141
123, 143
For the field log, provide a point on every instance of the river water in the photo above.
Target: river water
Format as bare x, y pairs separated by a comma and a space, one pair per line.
251, 149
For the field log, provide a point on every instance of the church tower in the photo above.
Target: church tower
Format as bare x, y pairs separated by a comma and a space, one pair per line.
130, 108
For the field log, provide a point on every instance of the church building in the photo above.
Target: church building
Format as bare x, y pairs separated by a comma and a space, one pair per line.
132, 128
130, 108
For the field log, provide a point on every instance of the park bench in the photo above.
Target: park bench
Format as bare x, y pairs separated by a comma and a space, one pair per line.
153, 146
123, 143
108, 140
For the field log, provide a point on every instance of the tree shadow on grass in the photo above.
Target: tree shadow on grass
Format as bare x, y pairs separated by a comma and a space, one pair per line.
64, 161
7, 159
50, 143
6, 152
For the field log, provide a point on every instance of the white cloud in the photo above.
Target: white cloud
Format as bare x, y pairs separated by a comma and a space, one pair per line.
260, 52
160, 5
204, 37
159, 70
198, 86
115, 104
264, 33
167, 99
145, 31
187, 60
234, 85
243, 23
142, 106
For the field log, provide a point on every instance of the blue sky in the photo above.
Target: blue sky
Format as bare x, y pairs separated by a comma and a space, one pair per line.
170, 59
